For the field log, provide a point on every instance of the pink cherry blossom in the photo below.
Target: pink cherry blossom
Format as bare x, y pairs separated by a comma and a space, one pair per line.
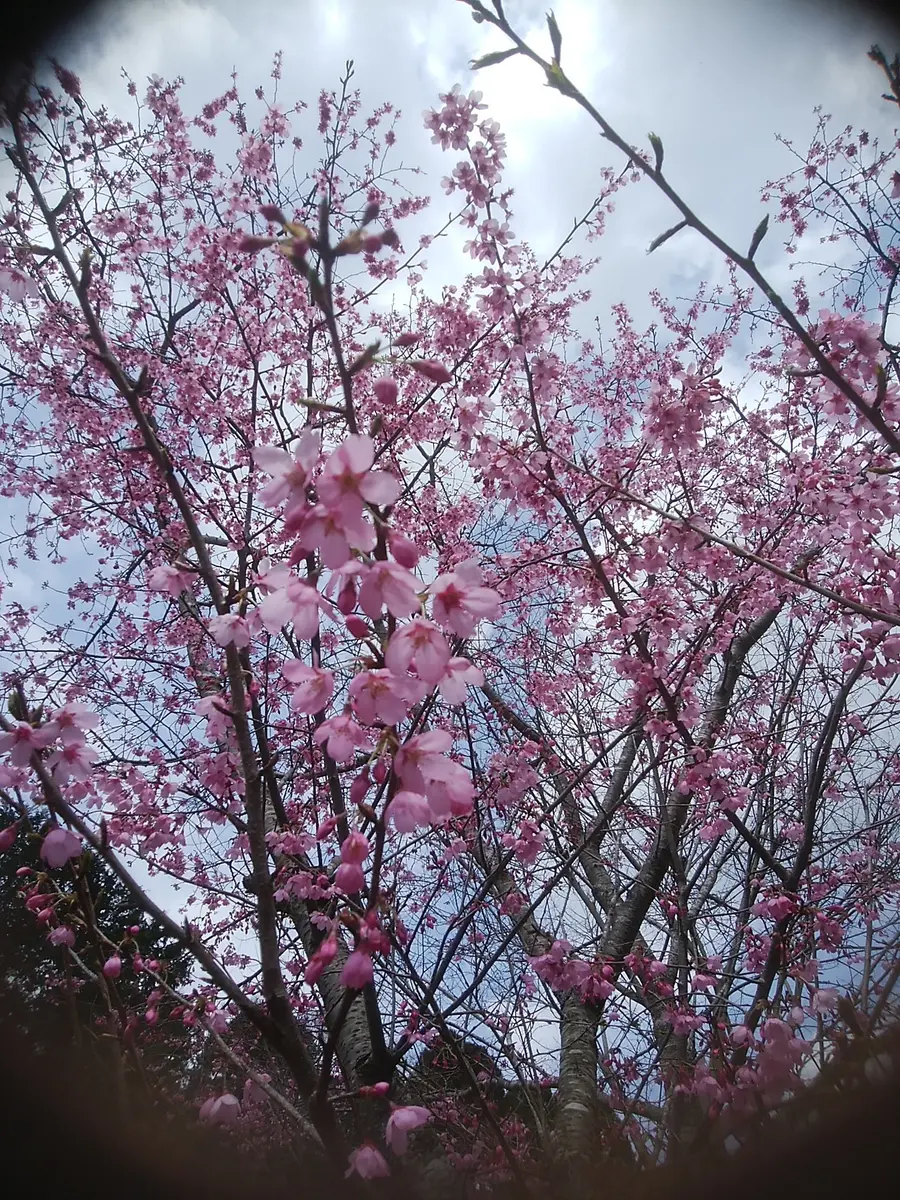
59, 846
314, 686
405, 551
420, 645
349, 878
23, 740
324, 955
380, 696
367, 1162
335, 534
72, 720
17, 286
432, 370
169, 579
291, 473
422, 765
112, 968
408, 811
289, 601
62, 935
229, 628
342, 737
459, 675
74, 761
401, 1122
348, 479
459, 603
388, 585
355, 847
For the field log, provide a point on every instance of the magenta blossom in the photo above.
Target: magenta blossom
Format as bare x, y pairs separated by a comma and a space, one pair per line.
74, 761
62, 935
289, 600
169, 579
408, 811
381, 696
334, 534
73, 719
459, 675
349, 878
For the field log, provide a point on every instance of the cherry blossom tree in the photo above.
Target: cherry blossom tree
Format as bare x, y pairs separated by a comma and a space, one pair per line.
497, 694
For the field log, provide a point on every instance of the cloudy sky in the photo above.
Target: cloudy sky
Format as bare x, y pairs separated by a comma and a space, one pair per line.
716, 79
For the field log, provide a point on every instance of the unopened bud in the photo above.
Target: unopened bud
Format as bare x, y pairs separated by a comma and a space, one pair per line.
273, 213
250, 243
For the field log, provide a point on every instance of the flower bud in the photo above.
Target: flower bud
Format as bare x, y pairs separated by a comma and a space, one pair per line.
112, 968
357, 627
273, 213
385, 390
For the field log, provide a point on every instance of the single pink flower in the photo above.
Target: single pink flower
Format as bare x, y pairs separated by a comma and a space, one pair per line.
380, 696
169, 579
367, 1162
358, 970
59, 846
112, 968
459, 603
334, 534
62, 935
460, 674
403, 1119
291, 473
347, 479
343, 736
388, 585
73, 719
18, 286
8, 837
74, 761
408, 811
289, 601
419, 644
23, 740
314, 686
320, 960
224, 1110
406, 552
228, 628
385, 390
